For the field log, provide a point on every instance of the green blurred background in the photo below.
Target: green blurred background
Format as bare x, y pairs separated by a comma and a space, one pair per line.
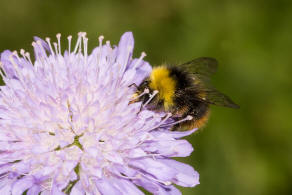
245, 151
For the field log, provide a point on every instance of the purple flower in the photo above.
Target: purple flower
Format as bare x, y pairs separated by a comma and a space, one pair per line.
66, 125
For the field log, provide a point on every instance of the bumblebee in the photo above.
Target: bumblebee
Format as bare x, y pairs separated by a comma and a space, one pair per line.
184, 91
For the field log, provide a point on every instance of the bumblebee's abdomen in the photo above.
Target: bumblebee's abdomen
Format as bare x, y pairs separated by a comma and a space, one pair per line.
161, 81
200, 113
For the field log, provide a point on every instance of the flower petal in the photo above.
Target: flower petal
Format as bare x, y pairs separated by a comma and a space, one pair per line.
21, 185
125, 50
185, 175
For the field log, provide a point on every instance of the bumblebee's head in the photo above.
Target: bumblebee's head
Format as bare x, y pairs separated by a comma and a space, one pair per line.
158, 89
144, 92
144, 85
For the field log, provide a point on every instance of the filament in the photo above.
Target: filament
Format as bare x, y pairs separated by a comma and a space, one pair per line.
150, 98
187, 118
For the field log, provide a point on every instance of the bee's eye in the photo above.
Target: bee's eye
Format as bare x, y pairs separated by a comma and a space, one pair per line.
146, 82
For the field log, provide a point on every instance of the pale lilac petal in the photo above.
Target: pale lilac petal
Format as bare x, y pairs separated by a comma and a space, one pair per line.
154, 167
34, 190
6, 189
56, 191
44, 43
178, 134
171, 148
186, 175
157, 188
7, 65
77, 189
21, 185
107, 187
142, 72
125, 50
126, 187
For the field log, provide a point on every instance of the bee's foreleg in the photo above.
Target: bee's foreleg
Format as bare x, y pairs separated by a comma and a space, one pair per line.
133, 84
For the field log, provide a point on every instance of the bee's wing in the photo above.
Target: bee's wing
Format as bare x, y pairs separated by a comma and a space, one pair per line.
201, 69
212, 96
203, 66
205, 92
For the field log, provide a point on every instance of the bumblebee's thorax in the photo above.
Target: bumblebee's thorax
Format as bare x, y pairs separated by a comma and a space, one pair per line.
161, 81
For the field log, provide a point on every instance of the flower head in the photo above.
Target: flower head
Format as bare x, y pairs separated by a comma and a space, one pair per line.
66, 125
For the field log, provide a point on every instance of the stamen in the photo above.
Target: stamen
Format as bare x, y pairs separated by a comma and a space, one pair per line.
100, 39
16, 55
83, 34
13, 62
56, 47
143, 54
187, 118
16, 67
146, 91
27, 55
59, 42
78, 42
69, 43
150, 98
42, 48
34, 46
50, 46
168, 115
22, 53
108, 43
85, 42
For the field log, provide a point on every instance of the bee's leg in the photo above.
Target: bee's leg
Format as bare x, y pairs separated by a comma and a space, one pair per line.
133, 84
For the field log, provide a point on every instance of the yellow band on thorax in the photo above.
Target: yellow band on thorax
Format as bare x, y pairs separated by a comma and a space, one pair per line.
160, 80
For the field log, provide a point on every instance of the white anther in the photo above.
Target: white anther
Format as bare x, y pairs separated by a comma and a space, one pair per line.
100, 38
59, 42
189, 117
50, 46
33, 44
27, 55
143, 54
146, 91
22, 51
